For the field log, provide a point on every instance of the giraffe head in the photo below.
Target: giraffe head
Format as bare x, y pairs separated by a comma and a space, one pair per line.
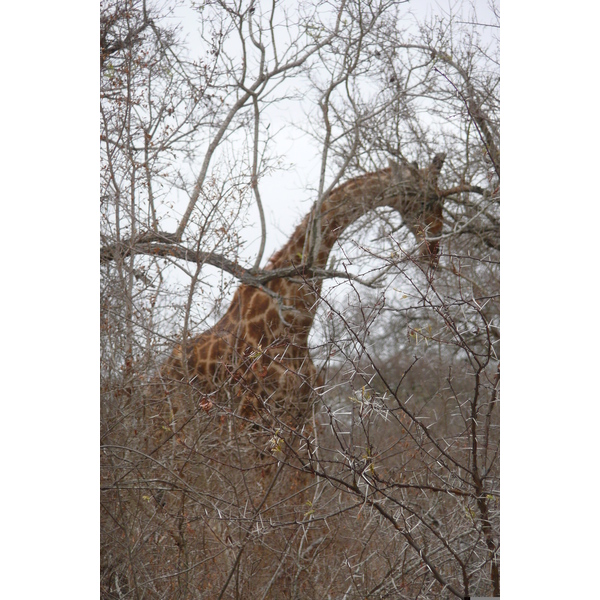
415, 195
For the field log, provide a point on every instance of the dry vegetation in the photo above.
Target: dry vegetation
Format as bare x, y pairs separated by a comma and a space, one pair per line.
390, 488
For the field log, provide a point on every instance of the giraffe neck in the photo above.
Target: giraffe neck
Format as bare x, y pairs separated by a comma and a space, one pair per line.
317, 234
315, 237
288, 307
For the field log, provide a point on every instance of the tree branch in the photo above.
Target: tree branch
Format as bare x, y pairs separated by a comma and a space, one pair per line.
253, 277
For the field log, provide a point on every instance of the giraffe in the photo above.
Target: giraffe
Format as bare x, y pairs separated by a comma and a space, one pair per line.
257, 355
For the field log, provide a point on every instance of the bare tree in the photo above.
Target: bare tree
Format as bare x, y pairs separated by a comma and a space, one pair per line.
387, 484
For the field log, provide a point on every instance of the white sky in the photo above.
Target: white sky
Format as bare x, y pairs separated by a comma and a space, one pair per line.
286, 194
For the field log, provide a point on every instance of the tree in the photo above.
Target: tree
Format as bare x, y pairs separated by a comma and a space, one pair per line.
391, 487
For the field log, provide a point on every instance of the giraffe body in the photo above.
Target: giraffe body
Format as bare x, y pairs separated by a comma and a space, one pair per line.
257, 355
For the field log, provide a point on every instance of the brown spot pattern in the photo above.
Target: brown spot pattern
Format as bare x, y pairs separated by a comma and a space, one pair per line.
256, 356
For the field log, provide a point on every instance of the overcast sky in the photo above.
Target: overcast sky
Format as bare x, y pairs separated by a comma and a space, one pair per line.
287, 195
